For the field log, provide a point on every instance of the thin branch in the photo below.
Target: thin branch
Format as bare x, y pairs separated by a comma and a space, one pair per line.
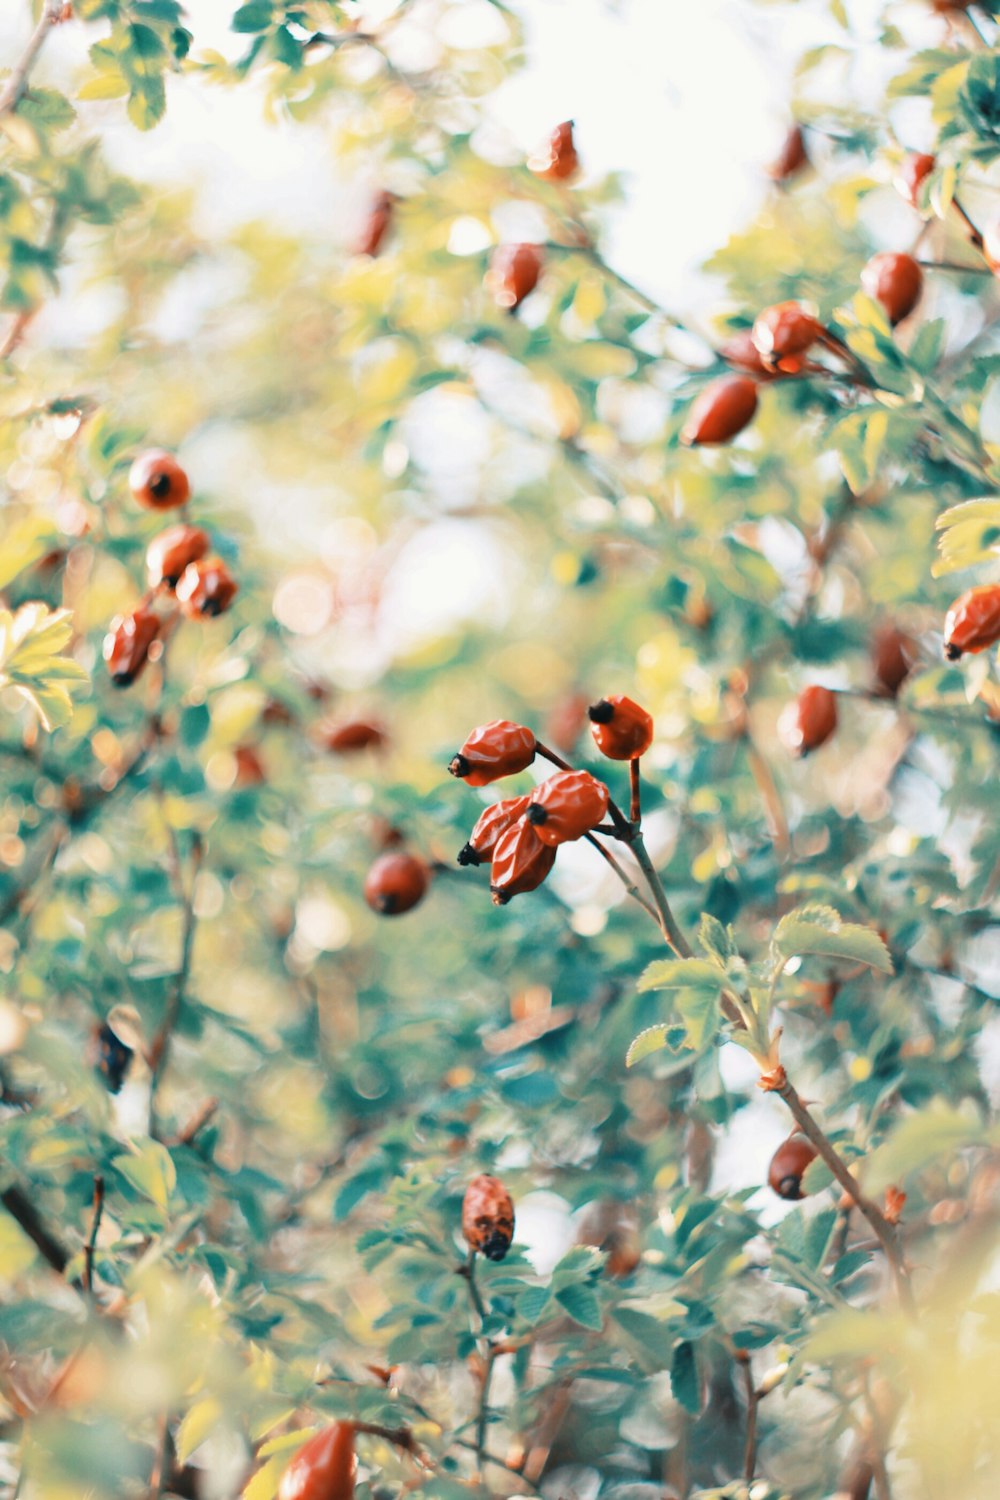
750, 1449
197, 1123
635, 792
623, 876
671, 930
91, 1245
21, 1208
17, 79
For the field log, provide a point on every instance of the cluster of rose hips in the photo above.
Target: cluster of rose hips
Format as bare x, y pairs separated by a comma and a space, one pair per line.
519, 836
178, 563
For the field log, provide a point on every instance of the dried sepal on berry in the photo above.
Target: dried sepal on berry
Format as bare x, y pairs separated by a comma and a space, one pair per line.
323, 1468
972, 624
491, 824
566, 806
488, 1217
621, 728
789, 1162
500, 748
520, 863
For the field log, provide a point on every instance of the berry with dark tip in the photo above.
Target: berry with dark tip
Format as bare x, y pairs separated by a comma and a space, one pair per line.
789, 1162
566, 806
973, 622
499, 748
488, 1217
396, 883
157, 481
621, 728
206, 588
521, 862
170, 553
490, 826
127, 643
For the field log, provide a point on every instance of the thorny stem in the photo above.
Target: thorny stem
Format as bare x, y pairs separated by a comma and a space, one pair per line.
885, 1231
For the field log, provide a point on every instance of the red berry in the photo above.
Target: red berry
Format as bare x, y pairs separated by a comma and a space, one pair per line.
376, 226
621, 729
490, 825
157, 480
784, 1175
206, 588
488, 1217
112, 1057
497, 749
520, 862
783, 331
249, 766
323, 1468
566, 806
895, 281
127, 643
893, 653
913, 173
791, 158
741, 351
973, 622
558, 160
172, 551
354, 734
513, 274
721, 410
810, 720
396, 883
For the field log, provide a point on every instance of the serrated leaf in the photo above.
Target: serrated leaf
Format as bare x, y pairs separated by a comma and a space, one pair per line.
681, 974
653, 1039
684, 1383
969, 534
820, 932
105, 85
151, 1171
580, 1302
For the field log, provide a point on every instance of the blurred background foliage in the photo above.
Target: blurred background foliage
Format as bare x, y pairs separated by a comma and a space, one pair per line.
440, 513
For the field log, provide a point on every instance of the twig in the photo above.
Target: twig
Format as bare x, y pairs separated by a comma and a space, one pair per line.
20, 1207
635, 792
161, 1464
880, 1224
91, 1245
197, 1122
671, 930
750, 1450
17, 79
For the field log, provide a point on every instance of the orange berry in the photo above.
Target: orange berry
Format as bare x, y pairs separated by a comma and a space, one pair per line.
376, 225
893, 653
157, 480
396, 883
520, 862
810, 720
489, 827
783, 332
621, 729
720, 411
323, 1468
514, 273
741, 351
500, 748
973, 622
206, 588
172, 551
784, 1175
791, 158
895, 281
127, 643
488, 1217
353, 735
913, 173
566, 806
558, 159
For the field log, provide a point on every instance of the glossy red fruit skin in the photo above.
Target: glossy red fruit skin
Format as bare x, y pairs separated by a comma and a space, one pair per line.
323, 1468
791, 158
894, 280
973, 622
127, 643
488, 1217
376, 226
783, 332
913, 173
812, 721
157, 481
396, 883
490, 826
566, 806
893, 654
249, 767
206, 588
784, 1175
514, 273
621, 728
172, 551
520, 862
500, 748
354, 735
740, 351
720, 411
559, 159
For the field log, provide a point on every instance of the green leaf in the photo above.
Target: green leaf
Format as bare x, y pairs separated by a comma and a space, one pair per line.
684, 1383
938, 1131
150, 1171
925, 351
47, 108
580, 1301
681, 974
196, 1425
30, 643
717, 941
256, 16
653, 1039
969, 534
819, 931
105, 85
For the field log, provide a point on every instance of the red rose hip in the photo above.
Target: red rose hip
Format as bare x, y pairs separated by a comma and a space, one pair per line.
354, 735
720, 411
810, 720
323, 1468
973, 622
377, 225
521, 862
740, 351
895, 281
396, 883
514, 273
489, 828
206, 588
791, 158
488, 1217
157, 481
170, 553
893, 654
500, 748
784, 1175
914, 171
566, 806
558, 160
785, 331
621, 729
127, 643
